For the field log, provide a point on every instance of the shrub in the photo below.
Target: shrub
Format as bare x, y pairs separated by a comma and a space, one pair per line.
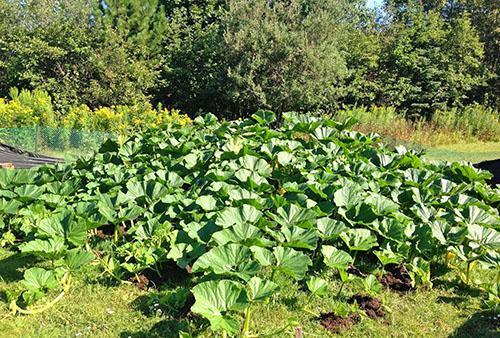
121, 119
26, 108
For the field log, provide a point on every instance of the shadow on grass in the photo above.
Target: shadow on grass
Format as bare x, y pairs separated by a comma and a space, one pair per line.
11, 267
175, 303
163, 329
458, 288
481, 324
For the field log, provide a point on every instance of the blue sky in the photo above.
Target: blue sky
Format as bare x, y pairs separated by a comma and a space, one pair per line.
374, 3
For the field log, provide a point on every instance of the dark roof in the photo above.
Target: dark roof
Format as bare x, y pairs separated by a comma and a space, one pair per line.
23, 159
493, 167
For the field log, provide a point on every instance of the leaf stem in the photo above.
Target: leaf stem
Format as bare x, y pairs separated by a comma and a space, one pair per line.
316, 315
354, 257
116, 233
467, 273
340, 290
246, 326
15, 308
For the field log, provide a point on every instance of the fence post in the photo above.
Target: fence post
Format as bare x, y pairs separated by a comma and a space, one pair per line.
36, 138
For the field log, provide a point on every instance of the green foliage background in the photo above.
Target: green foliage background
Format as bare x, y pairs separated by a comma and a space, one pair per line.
232, 57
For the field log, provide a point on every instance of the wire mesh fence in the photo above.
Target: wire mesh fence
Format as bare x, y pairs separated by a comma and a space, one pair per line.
58, 142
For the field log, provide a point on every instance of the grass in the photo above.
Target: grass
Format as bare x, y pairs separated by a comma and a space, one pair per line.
94, 309
472, 152
100, 309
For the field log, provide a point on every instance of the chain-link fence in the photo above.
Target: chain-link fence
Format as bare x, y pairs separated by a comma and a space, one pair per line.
58, 142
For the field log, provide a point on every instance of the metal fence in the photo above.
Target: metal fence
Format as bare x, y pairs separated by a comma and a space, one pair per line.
59, 142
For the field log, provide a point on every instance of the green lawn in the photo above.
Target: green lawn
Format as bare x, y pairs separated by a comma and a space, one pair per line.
95, 309
98, 308
473, 152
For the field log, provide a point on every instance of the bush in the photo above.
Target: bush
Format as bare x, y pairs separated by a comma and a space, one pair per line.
27, 108
121, 119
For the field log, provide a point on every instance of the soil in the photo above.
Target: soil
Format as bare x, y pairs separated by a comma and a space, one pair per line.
170, 273
298, 332
397, 278
141, 282
108, 231
371, 305
337, 324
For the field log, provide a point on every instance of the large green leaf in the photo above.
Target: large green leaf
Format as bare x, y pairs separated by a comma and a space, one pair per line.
474, 215
335, 258
359, 239
207, 202
241, 233
255, 165
260, 289
330, 228
300, 238
52, 248
231, 259
28, 192
264, 117
294, 215
347, 197
245, 214
38, 278
215, 299
318, 286
64, 226
483, 237
76, 258
291, 262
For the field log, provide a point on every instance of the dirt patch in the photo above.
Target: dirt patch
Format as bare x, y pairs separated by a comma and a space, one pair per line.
107, 231
142, 282
371, 305
397, 278
337, 324
171, 274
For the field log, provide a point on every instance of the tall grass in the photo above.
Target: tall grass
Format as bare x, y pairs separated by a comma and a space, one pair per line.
471, 124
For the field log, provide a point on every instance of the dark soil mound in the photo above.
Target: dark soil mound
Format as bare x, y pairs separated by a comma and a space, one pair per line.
141, 282
397, 278
493, 167
371, 305
337, 324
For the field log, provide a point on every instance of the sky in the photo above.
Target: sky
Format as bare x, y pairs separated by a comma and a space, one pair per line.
374, 3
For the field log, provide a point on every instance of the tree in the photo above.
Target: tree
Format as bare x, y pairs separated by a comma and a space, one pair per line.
195, 70
285, 55
428, 63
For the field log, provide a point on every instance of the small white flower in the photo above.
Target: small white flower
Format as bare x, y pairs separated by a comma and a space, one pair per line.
109, 311
78, 334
